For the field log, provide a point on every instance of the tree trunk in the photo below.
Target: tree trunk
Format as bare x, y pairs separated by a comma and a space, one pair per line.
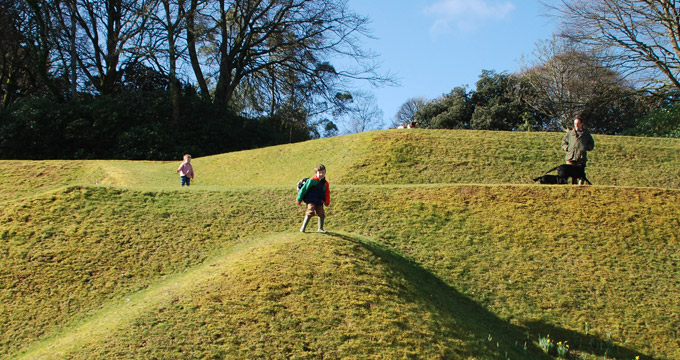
193, 55
174, 83
74, 53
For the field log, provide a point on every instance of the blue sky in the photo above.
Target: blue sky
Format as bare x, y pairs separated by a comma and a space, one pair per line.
432, 46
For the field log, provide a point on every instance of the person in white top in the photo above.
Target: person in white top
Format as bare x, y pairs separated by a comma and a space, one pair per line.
186, 171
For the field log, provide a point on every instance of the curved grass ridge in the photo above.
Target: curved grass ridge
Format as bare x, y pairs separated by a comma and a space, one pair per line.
512, 250
289, 295
119, 314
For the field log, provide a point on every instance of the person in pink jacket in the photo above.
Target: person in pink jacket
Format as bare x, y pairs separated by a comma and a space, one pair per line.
186, 171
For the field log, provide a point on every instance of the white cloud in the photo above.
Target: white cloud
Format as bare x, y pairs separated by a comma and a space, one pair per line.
466, 15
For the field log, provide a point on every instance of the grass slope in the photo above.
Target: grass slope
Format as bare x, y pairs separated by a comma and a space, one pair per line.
412, 156
301, 296
445, 156
452, 271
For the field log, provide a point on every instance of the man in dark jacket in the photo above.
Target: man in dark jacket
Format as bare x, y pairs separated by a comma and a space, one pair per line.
577, 142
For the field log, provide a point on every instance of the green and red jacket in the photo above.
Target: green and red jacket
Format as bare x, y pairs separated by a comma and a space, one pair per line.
314, 192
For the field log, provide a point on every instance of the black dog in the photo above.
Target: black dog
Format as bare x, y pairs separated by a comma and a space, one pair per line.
550, 179
577, 173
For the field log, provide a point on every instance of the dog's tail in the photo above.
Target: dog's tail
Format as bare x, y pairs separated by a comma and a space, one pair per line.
538, 178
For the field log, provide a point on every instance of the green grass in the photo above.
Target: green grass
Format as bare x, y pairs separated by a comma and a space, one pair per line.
431, 157
405, 157
303, 296
113, 259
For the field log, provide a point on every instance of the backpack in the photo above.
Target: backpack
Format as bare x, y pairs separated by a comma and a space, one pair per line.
301, 183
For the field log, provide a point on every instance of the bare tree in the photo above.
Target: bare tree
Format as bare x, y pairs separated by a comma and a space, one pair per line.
112, 35
259, 56
641, 38
265, 48
563, 82
29, 34
408, 110
361, 113
195, 32
166, 28
14, 75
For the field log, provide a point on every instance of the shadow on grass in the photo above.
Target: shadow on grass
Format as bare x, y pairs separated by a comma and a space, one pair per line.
447, 303
586, 344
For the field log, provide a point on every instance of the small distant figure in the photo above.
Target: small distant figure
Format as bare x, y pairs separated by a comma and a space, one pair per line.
186, 171
316, 193
577, 142
410, 125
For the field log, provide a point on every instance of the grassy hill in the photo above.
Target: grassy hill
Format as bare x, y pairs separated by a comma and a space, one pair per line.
440, 247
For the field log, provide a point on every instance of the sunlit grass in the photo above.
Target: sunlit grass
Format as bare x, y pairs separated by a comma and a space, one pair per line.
411, 156
293, 296
453, 270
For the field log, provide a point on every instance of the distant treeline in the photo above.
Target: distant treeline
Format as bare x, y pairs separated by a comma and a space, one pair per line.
133, 125
503, 101
153, 79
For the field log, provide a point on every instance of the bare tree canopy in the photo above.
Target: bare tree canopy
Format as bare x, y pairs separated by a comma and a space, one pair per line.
111, 36
269, 51
641, 38
256, 56
408, 110
360, 112
564, 81
15, 76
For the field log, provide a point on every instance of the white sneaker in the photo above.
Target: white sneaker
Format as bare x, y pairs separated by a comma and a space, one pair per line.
322, 231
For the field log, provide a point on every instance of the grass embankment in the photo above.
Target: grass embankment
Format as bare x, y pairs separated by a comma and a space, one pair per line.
445, 157
448, 271
306, 296
406, 157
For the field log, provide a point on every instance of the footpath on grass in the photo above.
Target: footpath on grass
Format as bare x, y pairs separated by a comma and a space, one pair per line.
121, 313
